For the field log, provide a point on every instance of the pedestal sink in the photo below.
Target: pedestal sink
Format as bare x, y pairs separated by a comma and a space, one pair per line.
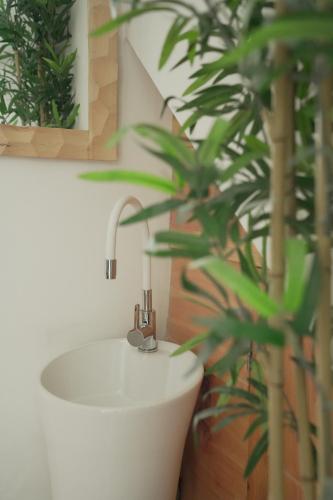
115, 420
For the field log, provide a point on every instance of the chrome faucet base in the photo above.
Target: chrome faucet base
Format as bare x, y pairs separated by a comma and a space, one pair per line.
143, 335
150, 345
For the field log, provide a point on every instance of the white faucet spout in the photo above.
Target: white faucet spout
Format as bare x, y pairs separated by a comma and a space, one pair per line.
111, 241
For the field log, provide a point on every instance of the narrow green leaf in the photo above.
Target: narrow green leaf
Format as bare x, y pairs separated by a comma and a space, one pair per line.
175, 252
231, 418
230, 327
239, 284
256, 145
306, 313
308, 27
199, 82
237, 392
117, 137
193, 288
132, 177
171, 40
228, 361
190, 344
296, 250
210, 148
259, 421
182, 239
124, 18
204, 414
242, 161
259, 386
257, 452
154, 211
169, 143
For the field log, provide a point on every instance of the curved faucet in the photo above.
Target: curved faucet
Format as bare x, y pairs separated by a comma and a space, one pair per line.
143, 334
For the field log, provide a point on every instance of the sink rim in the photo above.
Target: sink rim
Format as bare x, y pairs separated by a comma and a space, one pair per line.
197, 380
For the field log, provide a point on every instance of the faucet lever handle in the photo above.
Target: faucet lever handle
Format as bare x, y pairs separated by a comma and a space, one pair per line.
135, 337
137, 317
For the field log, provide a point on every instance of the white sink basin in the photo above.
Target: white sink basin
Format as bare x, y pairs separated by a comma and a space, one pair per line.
116, 419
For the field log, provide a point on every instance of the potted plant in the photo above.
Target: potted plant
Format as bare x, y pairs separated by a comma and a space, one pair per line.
268, 158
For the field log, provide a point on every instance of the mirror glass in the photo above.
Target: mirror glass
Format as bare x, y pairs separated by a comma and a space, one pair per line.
44, 63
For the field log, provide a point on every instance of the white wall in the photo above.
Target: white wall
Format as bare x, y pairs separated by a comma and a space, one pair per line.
53, 295
146, 35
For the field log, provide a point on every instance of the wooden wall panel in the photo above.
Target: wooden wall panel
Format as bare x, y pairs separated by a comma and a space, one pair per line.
214, 471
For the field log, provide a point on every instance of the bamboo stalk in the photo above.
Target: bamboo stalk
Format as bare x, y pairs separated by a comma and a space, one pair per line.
275, 374
323, 178
280, 157
305, 457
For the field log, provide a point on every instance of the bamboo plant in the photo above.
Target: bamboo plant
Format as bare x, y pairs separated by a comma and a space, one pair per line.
267, 157
36, 63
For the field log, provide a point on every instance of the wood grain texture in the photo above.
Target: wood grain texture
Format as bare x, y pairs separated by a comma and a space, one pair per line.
214, 471
43, 142
103, 83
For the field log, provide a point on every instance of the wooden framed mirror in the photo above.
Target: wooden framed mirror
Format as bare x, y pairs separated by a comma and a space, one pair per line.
71, 143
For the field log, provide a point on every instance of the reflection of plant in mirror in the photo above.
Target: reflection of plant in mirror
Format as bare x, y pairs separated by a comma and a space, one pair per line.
36, 63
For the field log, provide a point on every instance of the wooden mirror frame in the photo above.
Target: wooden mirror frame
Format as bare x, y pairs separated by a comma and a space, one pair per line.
72, 144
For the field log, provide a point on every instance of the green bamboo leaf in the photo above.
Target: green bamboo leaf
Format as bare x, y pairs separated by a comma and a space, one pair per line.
199, 82
190, 344
204, 414
257, 332
182, 239
193, 288
296, 250
132, 177
231, 418
169, 143
251, 294
238, 164
55, 113
154, 210
237, 392
216, 412
53, 65
231, 381
180, 170
306, 313
259, 386
309, 27
258, 422
171, 40
256, 145
115, 23
210, 148
178, 252
117, 137
228, 361
246, 268
257, 452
